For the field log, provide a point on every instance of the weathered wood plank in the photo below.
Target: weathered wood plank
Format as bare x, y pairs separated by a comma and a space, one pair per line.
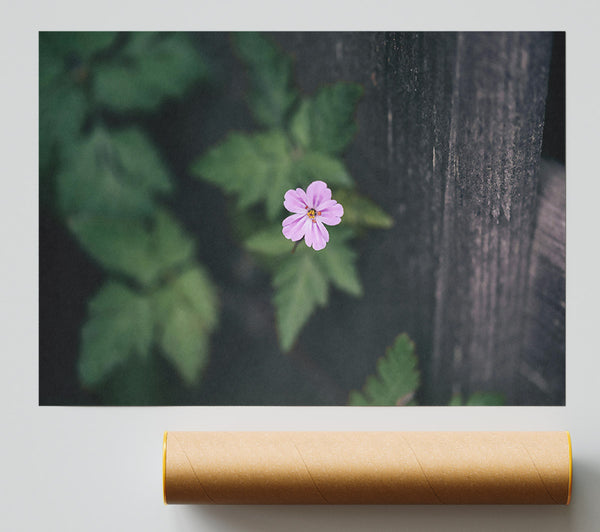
449, 143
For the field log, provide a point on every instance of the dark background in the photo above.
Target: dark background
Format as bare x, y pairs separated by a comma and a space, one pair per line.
451, 130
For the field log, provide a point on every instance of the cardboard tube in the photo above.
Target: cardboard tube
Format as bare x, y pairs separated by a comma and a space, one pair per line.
367, 467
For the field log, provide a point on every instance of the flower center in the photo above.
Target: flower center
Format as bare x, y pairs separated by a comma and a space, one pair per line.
311, 214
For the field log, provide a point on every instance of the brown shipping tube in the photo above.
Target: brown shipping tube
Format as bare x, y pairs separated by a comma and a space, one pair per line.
367, 467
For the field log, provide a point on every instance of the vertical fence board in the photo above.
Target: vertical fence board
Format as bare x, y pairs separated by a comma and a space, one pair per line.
450, 132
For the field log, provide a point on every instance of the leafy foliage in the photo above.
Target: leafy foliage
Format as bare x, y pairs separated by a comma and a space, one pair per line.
150, 67
108, 186
303, 144
302, 280
269, 241
186, 311
105, 175
62, 103
271, 92
119, 326
360, 211
478, 399
82, 44
397, 377
255, 167
326, 123
129, 247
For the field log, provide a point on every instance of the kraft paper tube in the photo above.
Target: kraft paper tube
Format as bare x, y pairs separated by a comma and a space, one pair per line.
367, 467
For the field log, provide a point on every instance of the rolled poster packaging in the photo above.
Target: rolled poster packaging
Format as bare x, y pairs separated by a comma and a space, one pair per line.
367, 467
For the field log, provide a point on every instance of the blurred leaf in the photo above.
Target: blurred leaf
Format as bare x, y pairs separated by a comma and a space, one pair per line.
300, 286
269, 241
314, 166
397, 377
338, 260
270, 74
478, 399
139, 382
326, 122
254, 167
132, 247
151, 66
360, 211
81, 44
302, 280
112, 175
300, 123
61, 115
119, 326
62, 105
186, 311
140, 161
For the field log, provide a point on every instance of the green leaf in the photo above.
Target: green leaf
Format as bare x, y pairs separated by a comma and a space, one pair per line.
300, 124
82, 44
269, 241
360, 211
314, 166
478, 399
187, 312
338, 261
140, 161
254, 167
302, 280
270, 75
61, 114
151, 67
119, 326
111, 175
326, 122
62, 105
131, 247
397, 377
300, 286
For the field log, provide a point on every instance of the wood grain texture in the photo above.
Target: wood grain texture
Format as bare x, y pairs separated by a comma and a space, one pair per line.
450, 132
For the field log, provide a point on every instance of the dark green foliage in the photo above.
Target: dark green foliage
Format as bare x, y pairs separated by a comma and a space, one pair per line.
326, 122
269, 241
108, 187
397, 377
360, 211
129, 246
186, 313
301, 280
254, 167
300, 286
478, 399
150, 67
81, 44
111, 174
62, 102
271, 93
119, 326
260, 168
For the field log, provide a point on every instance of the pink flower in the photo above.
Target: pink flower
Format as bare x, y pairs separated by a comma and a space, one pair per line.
312, 209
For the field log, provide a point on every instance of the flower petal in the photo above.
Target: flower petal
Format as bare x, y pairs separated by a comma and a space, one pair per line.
316, 236
295, 200
323, 230
293, 227
308, 232
332, 213
317, 194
